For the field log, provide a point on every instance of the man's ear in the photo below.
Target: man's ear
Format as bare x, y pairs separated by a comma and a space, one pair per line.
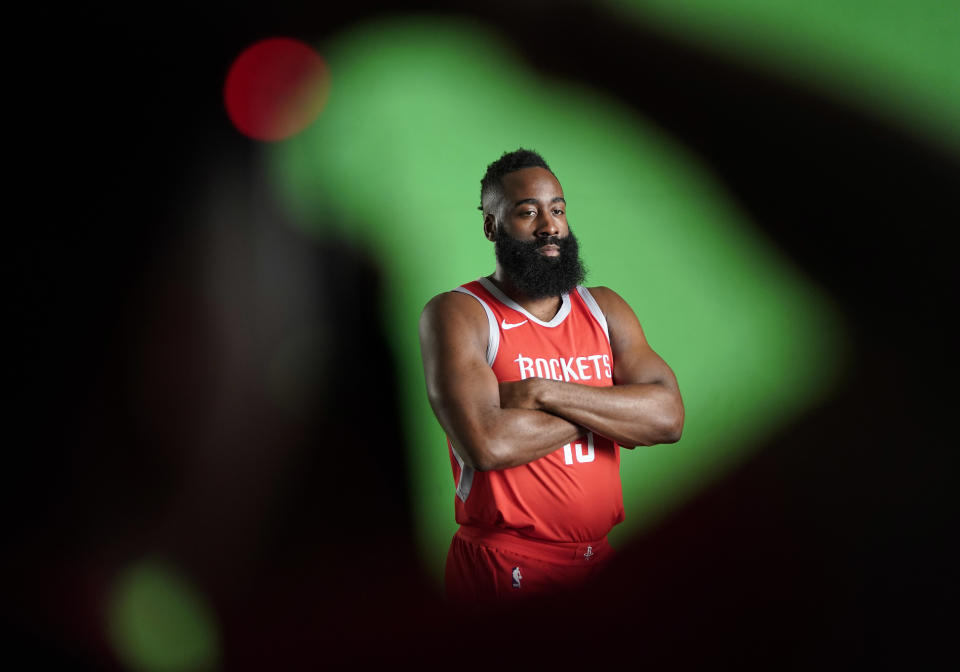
490, 226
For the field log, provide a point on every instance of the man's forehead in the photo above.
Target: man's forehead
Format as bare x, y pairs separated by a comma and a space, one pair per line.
526, 183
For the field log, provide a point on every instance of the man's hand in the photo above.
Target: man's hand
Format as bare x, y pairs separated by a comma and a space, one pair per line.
520, 394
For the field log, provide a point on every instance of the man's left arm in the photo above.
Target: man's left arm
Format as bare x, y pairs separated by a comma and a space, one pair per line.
642, 408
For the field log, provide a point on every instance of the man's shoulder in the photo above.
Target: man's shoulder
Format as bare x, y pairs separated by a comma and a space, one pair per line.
602, 294
452, 305
609, 301
451, 319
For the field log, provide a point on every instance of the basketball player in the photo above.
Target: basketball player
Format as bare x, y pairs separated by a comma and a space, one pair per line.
537, 381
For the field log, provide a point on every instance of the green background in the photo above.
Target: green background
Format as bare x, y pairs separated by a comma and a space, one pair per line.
395, 163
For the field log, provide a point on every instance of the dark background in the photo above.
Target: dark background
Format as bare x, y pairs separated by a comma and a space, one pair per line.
829, 548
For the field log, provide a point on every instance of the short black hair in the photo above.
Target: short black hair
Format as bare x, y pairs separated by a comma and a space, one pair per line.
492, 182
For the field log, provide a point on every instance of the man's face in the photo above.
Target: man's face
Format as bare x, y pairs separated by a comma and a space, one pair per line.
533, 206
533, 242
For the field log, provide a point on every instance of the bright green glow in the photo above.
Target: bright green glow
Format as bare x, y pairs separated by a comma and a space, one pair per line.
901, 57
158, 623
418, 109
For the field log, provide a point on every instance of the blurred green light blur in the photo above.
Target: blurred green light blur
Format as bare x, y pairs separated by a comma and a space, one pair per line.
899, 58
158, 623
417, 110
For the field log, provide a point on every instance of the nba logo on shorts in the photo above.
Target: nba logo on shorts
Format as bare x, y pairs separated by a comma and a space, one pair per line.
516, 577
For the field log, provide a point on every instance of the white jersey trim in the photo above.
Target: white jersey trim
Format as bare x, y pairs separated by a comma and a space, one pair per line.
594, 309
466, 476
493, 341
506, 300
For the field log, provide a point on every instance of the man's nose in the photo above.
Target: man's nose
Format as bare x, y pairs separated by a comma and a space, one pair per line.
547, 225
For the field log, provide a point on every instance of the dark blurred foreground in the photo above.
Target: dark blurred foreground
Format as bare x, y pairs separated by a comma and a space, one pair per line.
140, 424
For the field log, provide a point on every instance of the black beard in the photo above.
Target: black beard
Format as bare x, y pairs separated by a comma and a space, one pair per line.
535, 275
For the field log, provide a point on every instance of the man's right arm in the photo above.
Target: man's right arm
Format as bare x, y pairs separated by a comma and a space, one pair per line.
465, 394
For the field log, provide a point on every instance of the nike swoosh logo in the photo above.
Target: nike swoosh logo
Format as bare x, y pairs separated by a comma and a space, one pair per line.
507, 325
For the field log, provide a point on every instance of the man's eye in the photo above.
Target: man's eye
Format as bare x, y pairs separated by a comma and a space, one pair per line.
557, 211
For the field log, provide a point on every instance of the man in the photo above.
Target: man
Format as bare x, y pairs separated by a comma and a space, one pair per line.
536, 380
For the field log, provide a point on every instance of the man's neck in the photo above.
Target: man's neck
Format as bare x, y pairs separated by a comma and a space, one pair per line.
544, 309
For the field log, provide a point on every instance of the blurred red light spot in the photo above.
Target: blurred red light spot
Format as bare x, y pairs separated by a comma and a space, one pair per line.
276, 88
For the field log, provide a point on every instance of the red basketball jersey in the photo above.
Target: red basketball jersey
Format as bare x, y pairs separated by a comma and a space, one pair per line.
573, 493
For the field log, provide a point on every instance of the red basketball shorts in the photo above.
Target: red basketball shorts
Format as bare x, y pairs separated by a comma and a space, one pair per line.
485, 566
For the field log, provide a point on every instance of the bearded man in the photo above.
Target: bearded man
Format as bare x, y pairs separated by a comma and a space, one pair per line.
537, 382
